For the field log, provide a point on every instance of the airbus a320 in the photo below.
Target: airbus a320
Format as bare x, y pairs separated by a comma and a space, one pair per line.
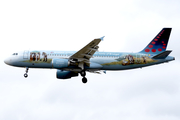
88, 59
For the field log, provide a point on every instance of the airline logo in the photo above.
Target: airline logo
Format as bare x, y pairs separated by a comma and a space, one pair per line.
159, 43
156, 44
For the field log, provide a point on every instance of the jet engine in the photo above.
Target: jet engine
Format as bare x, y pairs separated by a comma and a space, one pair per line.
65, 74
60, 63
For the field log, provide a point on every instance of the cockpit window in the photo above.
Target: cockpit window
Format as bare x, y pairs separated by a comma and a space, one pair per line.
15, 54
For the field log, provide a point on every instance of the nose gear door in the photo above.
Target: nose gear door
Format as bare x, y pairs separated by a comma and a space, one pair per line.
25, 54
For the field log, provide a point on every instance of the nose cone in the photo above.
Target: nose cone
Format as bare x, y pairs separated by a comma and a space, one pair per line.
7, 60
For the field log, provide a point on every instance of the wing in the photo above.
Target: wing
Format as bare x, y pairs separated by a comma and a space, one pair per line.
84, 55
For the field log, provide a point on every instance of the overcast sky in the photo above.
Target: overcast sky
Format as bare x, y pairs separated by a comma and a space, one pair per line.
151, 93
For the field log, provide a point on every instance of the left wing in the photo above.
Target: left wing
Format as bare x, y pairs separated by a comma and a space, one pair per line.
84, 55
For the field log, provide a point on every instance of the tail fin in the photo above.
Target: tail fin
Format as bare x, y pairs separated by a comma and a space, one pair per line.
159, 43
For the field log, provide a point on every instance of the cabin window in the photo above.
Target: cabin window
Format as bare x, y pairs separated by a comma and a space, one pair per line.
16, 53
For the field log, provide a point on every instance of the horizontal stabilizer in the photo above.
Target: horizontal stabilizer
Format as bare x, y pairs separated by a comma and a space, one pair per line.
162, 55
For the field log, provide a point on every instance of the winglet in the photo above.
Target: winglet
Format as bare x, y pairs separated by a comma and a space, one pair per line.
102, 38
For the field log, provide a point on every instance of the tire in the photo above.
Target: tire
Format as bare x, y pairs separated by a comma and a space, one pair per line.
25, 75
84, 80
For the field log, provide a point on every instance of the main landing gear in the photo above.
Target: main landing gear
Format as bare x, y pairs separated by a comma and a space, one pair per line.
26, 75
83, 74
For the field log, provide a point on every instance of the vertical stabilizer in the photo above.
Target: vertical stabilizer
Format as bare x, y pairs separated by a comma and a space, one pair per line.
159, 43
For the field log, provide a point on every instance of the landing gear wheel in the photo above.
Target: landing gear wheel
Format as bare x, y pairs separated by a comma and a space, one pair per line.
25, 75
84, 80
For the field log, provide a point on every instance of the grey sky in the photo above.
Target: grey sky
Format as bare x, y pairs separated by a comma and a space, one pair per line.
128, 26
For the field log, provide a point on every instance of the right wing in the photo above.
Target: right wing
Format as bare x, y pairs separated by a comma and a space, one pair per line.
88, 51
84, 55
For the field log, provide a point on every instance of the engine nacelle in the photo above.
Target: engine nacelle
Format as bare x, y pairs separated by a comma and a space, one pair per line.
65, 74
60, 63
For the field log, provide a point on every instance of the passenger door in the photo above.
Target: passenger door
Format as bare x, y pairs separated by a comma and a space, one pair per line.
25, 54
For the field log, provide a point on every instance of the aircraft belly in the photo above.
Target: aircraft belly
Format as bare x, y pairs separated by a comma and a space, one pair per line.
34, 65
43, 65
120, 67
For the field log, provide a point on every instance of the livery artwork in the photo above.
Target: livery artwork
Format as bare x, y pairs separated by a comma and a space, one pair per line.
38, 57
132, 60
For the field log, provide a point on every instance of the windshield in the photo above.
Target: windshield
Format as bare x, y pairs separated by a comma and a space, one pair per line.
15, 54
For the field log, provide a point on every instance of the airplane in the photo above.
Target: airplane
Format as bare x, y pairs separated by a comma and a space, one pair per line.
89, 59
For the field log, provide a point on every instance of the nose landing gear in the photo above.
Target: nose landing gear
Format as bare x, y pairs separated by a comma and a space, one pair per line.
26, 75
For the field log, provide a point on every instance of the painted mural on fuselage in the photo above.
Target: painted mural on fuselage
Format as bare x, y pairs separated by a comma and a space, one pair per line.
38, 57
103, 58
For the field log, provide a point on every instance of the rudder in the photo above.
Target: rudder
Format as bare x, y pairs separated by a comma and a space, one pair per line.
159, 43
